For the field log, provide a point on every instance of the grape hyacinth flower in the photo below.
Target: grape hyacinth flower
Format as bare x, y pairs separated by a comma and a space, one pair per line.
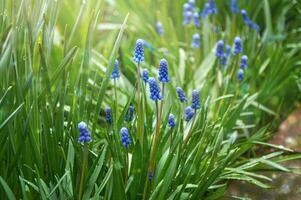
139, 51
248, 21
213, 9
195, 104
234, 6
84, 134
238, 45
196, 19
224, 60
150, 176
187, 17
196, 41
163, 71
186, 8
154, 89
189, 113
228, 50
171, 121
219, 52
244, 62
181, 95
206, 10
145, 75
240, 74
129, 115
125, 137
108, 115
115, 74
160, 28
191, 3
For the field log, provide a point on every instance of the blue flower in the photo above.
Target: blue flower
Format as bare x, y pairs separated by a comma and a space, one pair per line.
125, 137
129, 115
171, 121
219, 52
244, 62
196, 19
187, 17
248, 21
160, 28
195, 104
150, 176
240, 74
224, 60
84, 134
115, 74
189, 113
186, 7
191, 3
213, 9
206, 10
154, 89
228, 50
196, 41
238, 45
139, 51
145, 75
234, 6
163, 71
181, 95
108, 115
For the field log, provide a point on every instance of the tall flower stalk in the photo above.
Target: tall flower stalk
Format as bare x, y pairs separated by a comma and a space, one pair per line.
84, 137
138, 58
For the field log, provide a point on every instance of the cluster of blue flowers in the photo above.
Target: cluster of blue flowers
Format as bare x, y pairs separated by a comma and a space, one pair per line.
237, 49
84, 134
209, 8
129, 115
171, 121
248, 21
125, 137
115, 74
196, 40
160, 28
189, 12
220, 54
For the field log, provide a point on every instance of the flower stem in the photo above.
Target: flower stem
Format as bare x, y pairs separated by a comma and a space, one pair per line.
85, 159
139, 102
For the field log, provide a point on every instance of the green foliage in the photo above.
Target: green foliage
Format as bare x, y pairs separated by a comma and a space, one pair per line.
56, 58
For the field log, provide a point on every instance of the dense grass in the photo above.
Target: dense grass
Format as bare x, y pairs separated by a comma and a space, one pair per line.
56, 61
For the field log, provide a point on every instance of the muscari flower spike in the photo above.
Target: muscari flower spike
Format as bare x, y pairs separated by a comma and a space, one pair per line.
84, 134
228, 50
224, 59
171, 121
240, 74
196, 41
189, 113
108, 115
150, 176
206, 10
115, 74
248, 21
187, 17
160, 28
196, 19
154, 89
234, 7
186, 7
219, 52
213, 9
145, 75
238, 45
125, 137
244, 62
191, 3
129, 115
181, 95
163, 71
139, 51
195, 104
